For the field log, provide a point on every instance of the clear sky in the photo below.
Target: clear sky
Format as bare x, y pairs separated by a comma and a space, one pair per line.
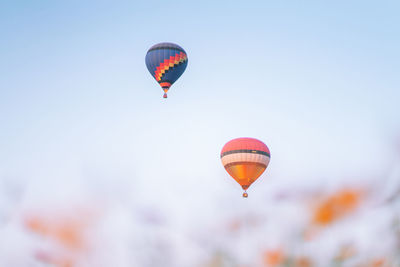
309, 79
318, 82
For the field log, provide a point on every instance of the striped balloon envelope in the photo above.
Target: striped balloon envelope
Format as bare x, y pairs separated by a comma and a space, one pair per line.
245, 159
166, 62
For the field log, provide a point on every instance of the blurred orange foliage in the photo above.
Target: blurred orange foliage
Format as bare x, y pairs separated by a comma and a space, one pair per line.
346, 252
336, 206
68, 233
378, 263
303, 262
66, 230
273, 257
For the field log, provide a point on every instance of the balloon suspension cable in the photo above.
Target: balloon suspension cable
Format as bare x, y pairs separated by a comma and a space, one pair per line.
245, 195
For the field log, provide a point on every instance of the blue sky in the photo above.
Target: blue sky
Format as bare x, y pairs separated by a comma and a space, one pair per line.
317, 82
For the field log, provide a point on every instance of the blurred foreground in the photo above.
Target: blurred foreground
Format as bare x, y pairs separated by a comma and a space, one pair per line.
350, 224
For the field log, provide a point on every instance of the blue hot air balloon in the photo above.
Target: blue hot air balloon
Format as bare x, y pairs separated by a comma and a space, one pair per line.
166, 62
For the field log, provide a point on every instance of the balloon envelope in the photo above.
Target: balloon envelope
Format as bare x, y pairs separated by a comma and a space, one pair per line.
245, 159
166, 62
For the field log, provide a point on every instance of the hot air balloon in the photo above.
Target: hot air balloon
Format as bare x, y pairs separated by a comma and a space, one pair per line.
166, 62
245, 159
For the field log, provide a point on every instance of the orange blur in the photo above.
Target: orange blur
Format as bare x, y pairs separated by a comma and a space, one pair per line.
67, 231
336, 206
273, 257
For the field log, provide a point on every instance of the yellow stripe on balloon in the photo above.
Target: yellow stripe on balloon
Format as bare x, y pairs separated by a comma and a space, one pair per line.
177, 60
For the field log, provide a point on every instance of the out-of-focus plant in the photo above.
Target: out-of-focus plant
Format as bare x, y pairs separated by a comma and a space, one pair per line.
303, 262
346, 252
220, 259
336, 206
65, 231
378, 263
273, 257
